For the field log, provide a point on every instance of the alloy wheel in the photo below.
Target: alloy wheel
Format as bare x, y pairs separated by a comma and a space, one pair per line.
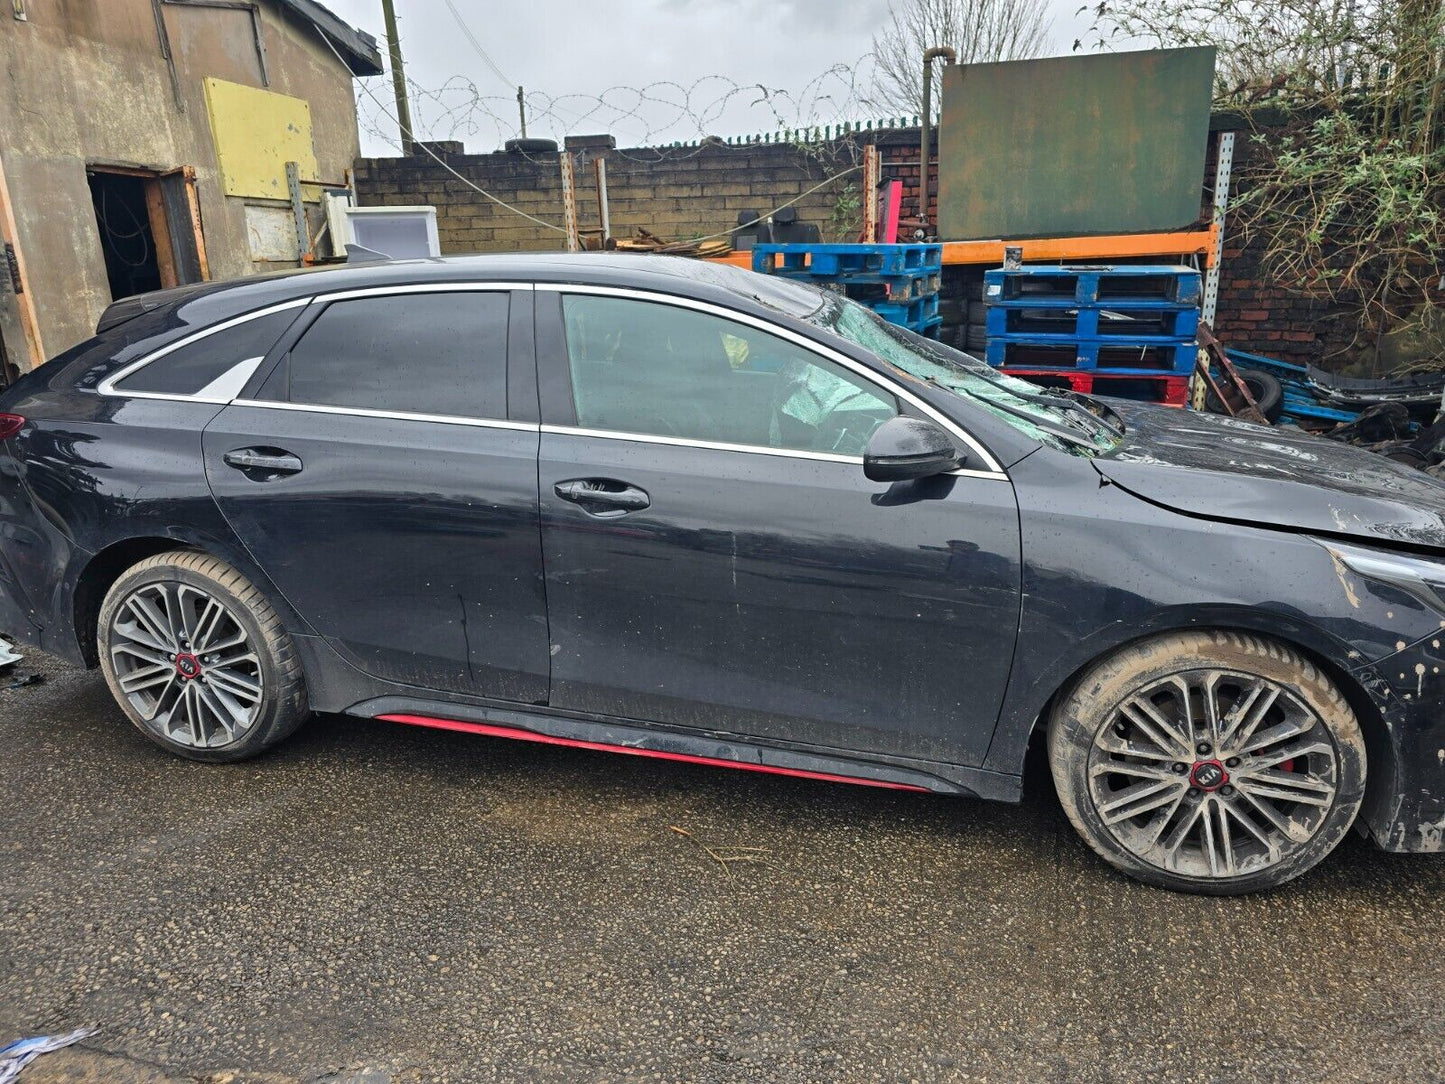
186, 665
1213, 773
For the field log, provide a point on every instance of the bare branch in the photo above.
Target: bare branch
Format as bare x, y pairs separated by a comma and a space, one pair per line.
978, 30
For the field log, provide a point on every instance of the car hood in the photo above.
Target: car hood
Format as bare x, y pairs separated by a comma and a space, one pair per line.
1218, 468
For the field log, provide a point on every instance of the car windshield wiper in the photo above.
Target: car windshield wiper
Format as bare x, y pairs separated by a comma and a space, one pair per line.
1105, 413
1077, 405
1071, 435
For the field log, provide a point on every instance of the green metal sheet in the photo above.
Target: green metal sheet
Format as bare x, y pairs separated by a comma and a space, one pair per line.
1109, 143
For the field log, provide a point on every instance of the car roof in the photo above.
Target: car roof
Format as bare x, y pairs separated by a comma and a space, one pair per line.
700, 279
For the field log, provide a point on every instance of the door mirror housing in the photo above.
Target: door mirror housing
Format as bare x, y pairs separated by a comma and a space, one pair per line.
905, 448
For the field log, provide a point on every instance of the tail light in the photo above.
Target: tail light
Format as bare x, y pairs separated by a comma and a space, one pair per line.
10, 425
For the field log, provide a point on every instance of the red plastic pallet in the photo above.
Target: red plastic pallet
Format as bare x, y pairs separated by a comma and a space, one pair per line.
1171, 390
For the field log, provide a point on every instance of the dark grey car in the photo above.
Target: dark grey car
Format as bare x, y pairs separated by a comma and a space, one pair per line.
660, 507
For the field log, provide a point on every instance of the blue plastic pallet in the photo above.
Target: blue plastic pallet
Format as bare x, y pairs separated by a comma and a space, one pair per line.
904, 288
1178, 357
847, 261
1065, 301
1105, 322
1096, 285
917, 315
1299, 398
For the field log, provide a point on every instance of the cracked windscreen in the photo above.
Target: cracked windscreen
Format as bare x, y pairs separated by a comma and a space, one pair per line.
1067, 424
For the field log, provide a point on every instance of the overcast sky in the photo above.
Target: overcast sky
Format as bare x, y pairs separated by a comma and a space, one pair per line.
579, 51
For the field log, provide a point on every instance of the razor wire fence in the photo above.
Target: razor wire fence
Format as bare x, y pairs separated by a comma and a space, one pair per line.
661, 119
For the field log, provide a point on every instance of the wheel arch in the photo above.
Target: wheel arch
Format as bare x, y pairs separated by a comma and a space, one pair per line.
96, 576
1379, 747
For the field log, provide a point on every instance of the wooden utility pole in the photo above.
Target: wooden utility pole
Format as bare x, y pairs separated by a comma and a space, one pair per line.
398, 76
522, 111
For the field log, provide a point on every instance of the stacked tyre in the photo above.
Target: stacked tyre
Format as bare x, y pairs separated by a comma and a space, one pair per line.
975, 339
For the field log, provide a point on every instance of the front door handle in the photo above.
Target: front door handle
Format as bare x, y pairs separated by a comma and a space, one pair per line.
603, 496
272, 463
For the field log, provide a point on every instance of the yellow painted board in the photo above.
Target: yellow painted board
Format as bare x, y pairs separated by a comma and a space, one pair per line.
256, 132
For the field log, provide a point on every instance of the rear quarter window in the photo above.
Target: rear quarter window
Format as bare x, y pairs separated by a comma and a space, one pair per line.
192, 367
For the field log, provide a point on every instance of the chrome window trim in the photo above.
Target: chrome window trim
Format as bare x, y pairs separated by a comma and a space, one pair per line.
687, 442
107, 387
992, 467
390, 415
751, 449
575, 431
420, 288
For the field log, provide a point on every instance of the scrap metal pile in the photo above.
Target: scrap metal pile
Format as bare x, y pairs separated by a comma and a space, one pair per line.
1401, 418
647, 241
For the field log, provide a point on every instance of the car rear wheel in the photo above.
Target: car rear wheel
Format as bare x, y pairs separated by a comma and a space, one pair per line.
198, 660
1215, 762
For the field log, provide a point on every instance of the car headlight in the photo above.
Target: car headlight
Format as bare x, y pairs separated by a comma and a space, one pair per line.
1419, 577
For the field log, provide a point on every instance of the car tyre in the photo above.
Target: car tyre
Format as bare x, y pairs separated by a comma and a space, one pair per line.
235, 687
1273, 782
1264, 388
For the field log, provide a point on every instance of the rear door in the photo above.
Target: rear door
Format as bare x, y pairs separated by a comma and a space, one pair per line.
716, 558
378, 473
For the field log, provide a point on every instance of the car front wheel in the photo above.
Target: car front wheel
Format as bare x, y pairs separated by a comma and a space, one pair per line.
1211, 762
198, 659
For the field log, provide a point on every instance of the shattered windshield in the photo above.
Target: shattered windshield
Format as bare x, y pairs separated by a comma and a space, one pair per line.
1056, 419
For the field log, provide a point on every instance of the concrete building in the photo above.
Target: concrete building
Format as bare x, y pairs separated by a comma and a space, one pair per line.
143, 144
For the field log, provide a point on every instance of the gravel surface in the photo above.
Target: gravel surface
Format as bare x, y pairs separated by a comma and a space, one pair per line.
373, 904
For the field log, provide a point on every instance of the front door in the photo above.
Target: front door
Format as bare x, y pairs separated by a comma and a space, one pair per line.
716, 559
376, 477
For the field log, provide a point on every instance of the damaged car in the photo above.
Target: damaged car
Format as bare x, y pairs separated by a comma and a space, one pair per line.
660, 507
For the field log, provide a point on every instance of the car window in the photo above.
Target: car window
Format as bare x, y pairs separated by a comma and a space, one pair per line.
192, 368
417, 353
657, 369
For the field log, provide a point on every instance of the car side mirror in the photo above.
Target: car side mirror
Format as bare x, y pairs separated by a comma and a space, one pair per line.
905, 448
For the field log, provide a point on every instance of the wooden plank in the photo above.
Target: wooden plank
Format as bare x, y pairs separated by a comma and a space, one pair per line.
161, 232
193, 199
870, 192
9, 235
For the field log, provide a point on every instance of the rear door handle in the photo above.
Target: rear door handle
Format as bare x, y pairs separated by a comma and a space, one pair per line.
258, 462
603, 496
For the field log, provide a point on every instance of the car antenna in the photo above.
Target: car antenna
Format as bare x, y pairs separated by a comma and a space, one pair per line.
361, 254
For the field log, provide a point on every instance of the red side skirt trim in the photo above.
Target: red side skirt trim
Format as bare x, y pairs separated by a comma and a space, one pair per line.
518, 734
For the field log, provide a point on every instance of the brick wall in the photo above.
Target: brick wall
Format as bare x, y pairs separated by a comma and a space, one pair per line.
1264, 316
680, 193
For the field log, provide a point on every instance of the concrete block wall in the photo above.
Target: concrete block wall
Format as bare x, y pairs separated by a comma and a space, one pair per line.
674, 193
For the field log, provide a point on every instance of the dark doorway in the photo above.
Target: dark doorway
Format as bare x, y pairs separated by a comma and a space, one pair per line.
126, 237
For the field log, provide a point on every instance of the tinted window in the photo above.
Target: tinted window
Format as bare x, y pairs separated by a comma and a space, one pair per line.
644, 367
190, 368
417, 353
